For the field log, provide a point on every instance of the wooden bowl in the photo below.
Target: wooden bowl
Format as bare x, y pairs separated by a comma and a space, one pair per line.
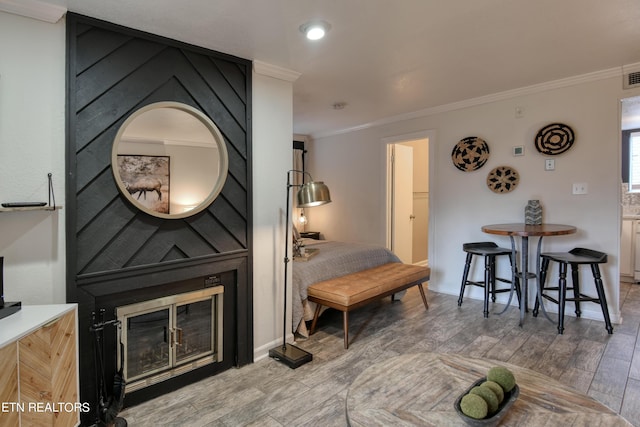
509, 398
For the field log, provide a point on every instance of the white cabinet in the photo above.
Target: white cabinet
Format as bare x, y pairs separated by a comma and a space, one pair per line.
627, 248
39, 367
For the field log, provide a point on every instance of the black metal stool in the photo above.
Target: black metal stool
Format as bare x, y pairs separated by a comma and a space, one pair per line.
575, 257
489, 250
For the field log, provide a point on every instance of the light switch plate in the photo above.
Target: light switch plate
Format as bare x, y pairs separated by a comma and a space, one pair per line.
580, 188
549, 164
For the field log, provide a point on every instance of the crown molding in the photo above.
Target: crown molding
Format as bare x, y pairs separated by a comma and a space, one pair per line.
631, 68
472, 102
34, 9
274, 71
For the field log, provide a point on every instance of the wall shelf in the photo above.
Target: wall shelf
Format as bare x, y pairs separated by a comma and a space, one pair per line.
31, 208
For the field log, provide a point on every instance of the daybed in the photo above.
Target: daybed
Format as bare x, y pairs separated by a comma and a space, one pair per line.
333, 259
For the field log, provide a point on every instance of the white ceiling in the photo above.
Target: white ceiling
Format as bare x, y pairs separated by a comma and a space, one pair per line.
386, 58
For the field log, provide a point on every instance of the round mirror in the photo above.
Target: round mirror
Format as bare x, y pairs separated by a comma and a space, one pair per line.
169, 160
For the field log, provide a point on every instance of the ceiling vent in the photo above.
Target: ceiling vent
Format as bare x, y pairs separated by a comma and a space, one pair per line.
631, 76
632, 80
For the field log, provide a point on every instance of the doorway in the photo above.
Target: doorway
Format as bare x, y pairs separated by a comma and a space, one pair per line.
629, 265
408, 197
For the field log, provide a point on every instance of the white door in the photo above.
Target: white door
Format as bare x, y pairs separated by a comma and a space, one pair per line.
402, 203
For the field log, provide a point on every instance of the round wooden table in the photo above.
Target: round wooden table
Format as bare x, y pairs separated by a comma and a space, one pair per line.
420, 389
525, 231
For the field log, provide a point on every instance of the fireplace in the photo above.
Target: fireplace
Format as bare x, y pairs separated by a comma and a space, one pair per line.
171, 335
180, 325
118, 255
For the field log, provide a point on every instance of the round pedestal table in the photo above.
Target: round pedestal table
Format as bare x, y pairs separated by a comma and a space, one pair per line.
421, 389
525, 231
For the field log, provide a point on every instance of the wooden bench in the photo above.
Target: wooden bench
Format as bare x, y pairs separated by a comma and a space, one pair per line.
354, 290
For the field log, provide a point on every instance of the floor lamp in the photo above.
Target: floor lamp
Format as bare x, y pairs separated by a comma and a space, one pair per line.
309, 195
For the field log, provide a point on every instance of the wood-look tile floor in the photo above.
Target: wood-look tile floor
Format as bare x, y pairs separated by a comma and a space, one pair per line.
267, 393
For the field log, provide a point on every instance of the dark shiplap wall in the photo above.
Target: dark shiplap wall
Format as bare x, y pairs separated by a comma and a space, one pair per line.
116, 74
111, 246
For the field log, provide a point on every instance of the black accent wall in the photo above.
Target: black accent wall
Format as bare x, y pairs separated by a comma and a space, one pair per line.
118, 255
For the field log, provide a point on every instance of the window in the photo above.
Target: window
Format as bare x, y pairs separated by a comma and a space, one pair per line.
634, 161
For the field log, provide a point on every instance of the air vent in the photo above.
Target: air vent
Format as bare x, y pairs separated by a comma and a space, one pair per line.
632, 80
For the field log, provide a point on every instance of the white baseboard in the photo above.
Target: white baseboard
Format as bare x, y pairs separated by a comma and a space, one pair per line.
262, 352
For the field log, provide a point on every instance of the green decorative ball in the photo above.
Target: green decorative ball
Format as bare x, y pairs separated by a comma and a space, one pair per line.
474, 406
496, 388
488, 395
502, 376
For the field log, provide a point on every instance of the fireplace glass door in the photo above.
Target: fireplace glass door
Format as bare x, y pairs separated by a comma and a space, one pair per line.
147, 343
194, 330
171, 335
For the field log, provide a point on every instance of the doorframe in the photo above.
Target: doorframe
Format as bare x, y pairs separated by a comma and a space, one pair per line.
620, 216
388, 187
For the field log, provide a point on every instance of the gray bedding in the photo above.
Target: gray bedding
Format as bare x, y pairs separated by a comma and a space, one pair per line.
334, 259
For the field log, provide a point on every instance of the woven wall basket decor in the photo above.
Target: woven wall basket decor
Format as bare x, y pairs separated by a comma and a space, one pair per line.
470, 154
503, 179
554, 139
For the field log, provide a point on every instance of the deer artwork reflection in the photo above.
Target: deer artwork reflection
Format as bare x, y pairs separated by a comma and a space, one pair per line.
141, 174
142, 185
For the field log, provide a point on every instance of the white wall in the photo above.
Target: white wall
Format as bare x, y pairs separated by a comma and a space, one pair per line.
272, 133
460, 203
32, 144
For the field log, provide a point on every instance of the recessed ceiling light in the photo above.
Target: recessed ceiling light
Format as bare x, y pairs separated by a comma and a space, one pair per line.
315, 30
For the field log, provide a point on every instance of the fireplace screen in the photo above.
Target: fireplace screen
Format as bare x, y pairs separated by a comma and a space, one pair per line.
147, 351
171, 335
194, 329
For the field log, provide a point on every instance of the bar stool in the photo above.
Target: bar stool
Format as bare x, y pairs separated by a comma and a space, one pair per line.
488, 250
575, 257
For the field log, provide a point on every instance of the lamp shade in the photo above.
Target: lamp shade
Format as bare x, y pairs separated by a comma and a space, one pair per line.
313, 194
